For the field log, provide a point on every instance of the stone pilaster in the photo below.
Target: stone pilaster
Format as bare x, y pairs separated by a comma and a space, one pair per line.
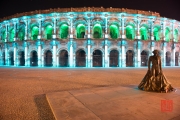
123, 53
89, 61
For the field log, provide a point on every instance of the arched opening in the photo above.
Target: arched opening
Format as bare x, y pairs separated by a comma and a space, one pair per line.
156, 32
3, 58
130, 32
21, 33
129, 58
80, 31
34, 59
21, 58
34, 33
168, 58
144, 33
176, 35
11, 58
97, 58
64, 31
176, 58
63, 58
113, 58
3, 35
48, 58
144, 58
167, 35
80, 58
12, 35
97, 31
114, 31
49, 31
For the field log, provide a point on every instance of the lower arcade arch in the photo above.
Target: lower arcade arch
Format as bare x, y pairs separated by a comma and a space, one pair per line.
11, 58
63, 58
97, 58
48, 58
130, 58
21, 58
144, 58
168, 58
34, 59
80, 58
113, 58
176, 58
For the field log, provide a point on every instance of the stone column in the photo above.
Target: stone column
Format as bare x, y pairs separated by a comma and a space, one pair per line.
71, 28
71, 54
152, 47
123, 54
40, 57
123, 35
6, 55
54, 53
15, 54
106, 54
138, 34
6, 38
106, 27
26, 29
139, 44
15, 30
173, 54
89, 53
164, 54
27, 60
152, 34
54, 35
163, 30
57, 61
40, 28
89, 28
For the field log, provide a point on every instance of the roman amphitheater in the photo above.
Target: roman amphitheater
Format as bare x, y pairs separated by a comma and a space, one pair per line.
88, 37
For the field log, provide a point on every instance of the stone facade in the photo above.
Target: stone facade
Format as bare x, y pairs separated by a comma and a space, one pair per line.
88, 37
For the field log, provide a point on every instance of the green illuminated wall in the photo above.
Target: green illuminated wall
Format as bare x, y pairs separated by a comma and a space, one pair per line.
49, 30
34, 32
167, 34
156, 32
11, 35
144, 33
114, 31
64, 31
21, 33
176, 35
80, 31
130, 32
97, 31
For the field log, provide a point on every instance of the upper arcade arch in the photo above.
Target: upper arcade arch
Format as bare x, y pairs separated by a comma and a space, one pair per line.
48, 31
167, 34
34, 32
64, 31
11, 35
114, 31
97, 31
130, 32
21, 32
156, 33
144, 32
80, 31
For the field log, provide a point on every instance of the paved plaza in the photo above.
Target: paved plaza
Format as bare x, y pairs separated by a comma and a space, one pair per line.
90, 93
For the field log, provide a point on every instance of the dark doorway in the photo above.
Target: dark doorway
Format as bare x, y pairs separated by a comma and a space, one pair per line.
63, 59
82, 34
21, 58
80, 58
34, 59
168, 58
113, 59
48, 58
3, 58
11, 58
144, 58
97, 58
176, 59
129, 58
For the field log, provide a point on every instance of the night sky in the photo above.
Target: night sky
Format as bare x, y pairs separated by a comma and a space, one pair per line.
166, 8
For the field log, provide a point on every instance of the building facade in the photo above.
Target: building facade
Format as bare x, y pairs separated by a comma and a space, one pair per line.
88, 37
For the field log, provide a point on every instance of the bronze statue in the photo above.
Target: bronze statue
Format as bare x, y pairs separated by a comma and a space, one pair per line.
155, 80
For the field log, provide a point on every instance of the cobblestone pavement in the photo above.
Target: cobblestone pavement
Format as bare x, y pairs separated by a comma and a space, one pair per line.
23, 90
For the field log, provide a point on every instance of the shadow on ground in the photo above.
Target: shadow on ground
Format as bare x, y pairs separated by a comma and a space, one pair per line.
44, 110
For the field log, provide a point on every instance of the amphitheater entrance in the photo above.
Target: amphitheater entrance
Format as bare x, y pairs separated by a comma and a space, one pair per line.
34, 59
113, 59
97, 58
80, 58
129, 58
168, 58
21, 58
3, 58
48, 58
63, 58
11, 58
176, 59
144, 58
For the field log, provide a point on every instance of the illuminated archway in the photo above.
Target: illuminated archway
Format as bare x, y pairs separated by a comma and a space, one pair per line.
63, 58
114, 31
34, 59
176, 58
49, 30
176, 35
80, 58
130, 58
12, 35
64, 31
21, 58
97, 58
80, 31
11, 58
21, 33
168, 58
144, 33
167, 34
130, 32
97, 31
144, 58
34, 32
113, 58
48, 58
156, 32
